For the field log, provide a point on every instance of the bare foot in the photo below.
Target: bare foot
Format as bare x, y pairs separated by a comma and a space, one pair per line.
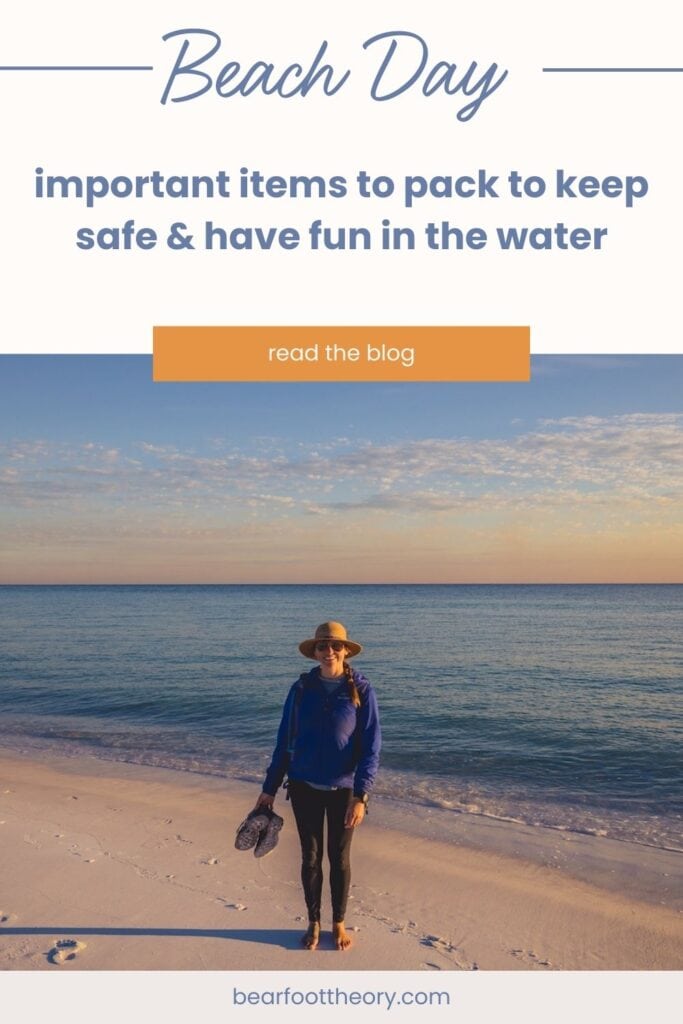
342, 940
312, 937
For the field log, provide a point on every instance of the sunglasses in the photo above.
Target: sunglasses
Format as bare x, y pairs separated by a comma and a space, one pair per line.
336, 645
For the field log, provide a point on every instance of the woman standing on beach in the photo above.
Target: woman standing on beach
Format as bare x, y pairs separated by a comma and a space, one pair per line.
328, 744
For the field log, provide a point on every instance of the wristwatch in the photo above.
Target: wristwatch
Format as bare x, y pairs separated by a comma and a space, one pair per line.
361, 798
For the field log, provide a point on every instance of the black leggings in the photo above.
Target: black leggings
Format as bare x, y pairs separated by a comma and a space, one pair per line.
310, 806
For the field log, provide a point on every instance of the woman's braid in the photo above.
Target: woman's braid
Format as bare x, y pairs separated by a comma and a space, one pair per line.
351, 683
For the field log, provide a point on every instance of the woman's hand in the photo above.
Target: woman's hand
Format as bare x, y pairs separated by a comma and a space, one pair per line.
265, 800
354, 814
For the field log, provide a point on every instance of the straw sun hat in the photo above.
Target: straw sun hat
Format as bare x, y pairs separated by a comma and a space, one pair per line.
329, 631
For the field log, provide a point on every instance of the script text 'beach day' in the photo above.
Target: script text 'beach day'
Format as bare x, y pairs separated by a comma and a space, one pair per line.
406, 64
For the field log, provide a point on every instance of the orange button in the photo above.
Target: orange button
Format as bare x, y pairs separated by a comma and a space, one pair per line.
341, 353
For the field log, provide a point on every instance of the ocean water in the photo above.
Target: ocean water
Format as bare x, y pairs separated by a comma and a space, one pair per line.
548, 705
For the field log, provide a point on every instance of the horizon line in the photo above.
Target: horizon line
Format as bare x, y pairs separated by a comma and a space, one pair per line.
400, 583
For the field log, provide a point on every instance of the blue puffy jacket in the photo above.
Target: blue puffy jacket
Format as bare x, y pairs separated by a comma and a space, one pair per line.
336, 744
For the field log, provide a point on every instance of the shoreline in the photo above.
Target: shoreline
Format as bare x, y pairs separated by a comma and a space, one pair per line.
408, 807
628, 867
138, 865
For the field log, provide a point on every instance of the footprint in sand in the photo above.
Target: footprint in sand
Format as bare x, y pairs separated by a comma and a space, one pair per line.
528, 956
65, 949
6, 917
447, 949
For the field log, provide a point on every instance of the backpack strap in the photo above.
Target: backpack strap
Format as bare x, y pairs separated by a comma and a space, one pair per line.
357, 742
293, 726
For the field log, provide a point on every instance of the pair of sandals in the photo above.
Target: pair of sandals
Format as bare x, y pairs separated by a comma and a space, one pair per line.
259, 831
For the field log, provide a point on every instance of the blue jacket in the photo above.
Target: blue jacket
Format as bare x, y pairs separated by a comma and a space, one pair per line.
336, 744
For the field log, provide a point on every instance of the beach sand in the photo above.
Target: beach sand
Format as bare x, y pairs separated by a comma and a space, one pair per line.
134, 868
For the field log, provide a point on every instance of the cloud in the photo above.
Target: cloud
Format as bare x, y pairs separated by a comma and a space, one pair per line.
630, 462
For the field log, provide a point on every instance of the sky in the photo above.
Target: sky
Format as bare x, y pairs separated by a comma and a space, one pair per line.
107, 477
